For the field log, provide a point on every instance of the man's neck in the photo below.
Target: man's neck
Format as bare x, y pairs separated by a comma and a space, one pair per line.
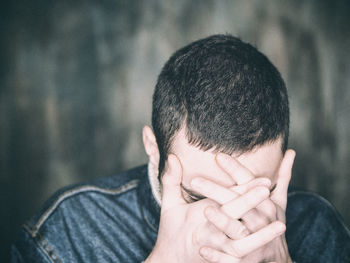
154, 182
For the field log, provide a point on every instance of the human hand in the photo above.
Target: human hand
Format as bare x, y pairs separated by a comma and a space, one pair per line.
270, 210
183, 229
178, 222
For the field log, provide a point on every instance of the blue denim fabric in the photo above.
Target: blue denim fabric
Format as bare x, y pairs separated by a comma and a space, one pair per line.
115, 219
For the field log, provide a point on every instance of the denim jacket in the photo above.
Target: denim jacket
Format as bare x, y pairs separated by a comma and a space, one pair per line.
115, 219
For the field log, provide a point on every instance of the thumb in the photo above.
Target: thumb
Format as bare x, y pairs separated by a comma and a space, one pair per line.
279, 195
171, 183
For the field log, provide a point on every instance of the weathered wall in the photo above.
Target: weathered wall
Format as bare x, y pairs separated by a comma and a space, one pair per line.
77, 77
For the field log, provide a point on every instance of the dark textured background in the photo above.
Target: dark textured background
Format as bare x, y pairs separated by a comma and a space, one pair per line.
76, 79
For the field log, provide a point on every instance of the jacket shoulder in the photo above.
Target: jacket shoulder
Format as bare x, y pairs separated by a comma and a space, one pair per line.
315, 230
81, 211
114, 185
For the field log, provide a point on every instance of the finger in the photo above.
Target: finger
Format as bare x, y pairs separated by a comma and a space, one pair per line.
239, 173
171, 183
279, 195
268, 209
214, 256
254, 221
216, 192
232, 228
221, 194
259, 181
242, 247
241, 205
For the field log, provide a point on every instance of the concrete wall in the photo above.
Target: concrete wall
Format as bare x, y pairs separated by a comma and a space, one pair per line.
76, 79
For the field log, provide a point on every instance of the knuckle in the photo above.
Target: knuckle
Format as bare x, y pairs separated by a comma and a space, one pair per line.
227, 208
259, 223
269, 209
257, 195
264, 221
235, 251
216, 239
221, 238
242, 231
210, 255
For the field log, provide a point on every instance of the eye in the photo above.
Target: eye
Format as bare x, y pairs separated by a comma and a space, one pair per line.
190, 198
193, 198
273, 188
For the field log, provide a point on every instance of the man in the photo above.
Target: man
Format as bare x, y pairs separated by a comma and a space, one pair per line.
215, 188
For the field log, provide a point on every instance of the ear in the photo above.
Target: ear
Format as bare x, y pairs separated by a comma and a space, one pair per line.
151, 146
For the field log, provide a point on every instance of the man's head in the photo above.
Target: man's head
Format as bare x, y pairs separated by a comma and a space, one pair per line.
218, 94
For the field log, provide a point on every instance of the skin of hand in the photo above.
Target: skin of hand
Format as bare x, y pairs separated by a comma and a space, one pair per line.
184, 229
270, 212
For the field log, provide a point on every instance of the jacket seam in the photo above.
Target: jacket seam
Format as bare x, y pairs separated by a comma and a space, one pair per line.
147, 221
43, 244
121, 189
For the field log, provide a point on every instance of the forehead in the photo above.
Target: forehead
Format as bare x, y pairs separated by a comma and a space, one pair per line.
262, 161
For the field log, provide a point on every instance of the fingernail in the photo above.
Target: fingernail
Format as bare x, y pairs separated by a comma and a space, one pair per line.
204, 252
281, 228
197, 182
265, 182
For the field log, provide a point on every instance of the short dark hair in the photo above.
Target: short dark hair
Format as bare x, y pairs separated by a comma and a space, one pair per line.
225, 93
